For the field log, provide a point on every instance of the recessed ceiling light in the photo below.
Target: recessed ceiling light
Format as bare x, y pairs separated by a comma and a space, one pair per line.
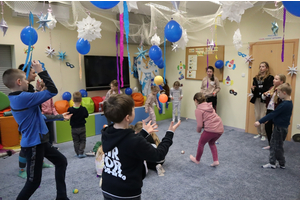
161, 7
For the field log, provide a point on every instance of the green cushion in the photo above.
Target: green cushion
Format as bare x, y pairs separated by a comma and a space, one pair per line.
4, 101
88, 103
168, 112
63, 129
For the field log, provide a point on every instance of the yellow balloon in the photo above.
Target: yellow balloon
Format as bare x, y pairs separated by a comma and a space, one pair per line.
71, 102
158, 80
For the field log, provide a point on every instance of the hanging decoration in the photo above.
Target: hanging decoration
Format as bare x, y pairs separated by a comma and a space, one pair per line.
292, 7
155, 40
233, 10
216, 46
181, 67
52, 23
173, 31
182, 43
126, 26
274, 28
3, 24
142, 53
248, 59
89, 29
165, 59
118, 71
228, 81
230, 64
43, 21
50, 51
237, 39
130, 5
283, 29
232, 92
121, 46
61, 55
70, 65
211, 45
105, 4
174, 46
292, 70
241, 54
83, 46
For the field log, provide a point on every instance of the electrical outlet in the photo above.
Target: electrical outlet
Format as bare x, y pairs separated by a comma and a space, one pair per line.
298, 126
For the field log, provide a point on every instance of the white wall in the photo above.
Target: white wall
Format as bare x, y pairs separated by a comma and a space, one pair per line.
232, 109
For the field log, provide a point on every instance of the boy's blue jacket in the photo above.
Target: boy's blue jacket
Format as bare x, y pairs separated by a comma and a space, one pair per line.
27, 113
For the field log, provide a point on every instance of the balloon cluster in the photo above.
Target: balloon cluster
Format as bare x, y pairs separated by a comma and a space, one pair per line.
155, 54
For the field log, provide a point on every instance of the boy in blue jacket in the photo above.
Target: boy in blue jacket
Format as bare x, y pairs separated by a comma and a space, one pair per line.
281, 117
35, 137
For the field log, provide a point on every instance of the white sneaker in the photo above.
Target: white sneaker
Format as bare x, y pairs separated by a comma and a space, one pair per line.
269, 166
263, 138
159, 170
257, 136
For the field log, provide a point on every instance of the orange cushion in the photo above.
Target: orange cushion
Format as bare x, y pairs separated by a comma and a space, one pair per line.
9, 131
3, 111
138, 99
61, 106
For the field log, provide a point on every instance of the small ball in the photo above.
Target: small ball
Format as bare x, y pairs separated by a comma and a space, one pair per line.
182, 152
75, 191
105, 125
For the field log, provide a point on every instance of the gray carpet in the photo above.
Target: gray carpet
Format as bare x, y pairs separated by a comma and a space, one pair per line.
239, 175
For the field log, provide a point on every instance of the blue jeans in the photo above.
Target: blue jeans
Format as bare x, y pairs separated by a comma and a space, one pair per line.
276, 145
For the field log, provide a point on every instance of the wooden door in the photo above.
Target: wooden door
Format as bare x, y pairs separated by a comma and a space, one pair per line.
271, 52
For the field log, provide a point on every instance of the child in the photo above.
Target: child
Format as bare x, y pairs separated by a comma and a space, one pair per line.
176, 96
151, 98
261, 83
154, 140
47, 109
272, 101
34, 142
281, 117
213, 128
78, 125
113, 90
126, 151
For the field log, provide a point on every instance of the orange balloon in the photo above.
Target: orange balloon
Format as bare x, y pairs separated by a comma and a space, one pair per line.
163, 98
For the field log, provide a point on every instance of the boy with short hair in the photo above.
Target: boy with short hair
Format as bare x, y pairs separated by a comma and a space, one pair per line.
78, 125
281, 117
126, 151
34, 142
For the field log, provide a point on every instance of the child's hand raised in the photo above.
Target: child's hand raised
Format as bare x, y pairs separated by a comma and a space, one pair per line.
150, 128
173, 127
36, 66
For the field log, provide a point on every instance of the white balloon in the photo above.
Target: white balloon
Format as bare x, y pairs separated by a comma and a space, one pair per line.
135, 90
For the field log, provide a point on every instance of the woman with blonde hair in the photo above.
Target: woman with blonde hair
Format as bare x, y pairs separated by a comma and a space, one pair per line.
261, 83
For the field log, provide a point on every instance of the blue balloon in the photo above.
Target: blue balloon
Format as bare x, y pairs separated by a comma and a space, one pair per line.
66, 96
128, 91
83, 93
155, 52
219, 64
29, 34
83, 46
173, 31
105, 4
293, 7
159, 63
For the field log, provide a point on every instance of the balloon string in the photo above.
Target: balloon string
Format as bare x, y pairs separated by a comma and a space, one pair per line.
282, 50
165, 59
216, 56
121, 46
118, 72
2, 10
80, 70
126, 23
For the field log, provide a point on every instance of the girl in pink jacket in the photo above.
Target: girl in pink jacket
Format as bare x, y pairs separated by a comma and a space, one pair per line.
213, 128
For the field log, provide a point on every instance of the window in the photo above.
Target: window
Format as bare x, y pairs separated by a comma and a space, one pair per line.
5, 63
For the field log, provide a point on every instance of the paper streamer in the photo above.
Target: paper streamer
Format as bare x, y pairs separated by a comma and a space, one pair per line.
165, 59
80, 70
29, 52
121, 46
207, 58
216, 56
126, 25
282, 50
118, 71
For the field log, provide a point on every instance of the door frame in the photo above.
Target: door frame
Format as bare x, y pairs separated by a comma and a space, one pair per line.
293, 79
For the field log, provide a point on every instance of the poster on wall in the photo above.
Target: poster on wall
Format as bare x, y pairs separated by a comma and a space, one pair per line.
147, 70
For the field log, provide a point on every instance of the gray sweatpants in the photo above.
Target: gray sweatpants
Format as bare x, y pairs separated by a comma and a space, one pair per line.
176, 106
276, 145
79, 140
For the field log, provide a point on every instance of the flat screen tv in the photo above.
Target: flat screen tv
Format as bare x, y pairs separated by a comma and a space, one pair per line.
101, 70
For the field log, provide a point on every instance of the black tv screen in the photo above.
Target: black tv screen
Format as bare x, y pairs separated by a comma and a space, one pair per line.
101, 70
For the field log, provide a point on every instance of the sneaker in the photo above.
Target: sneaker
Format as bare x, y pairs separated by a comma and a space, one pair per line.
45, 165
263, 138
22, 174
217, 142
257, 136
266, 148
159, 170
81, 156
91, 153
280, 166
269, 166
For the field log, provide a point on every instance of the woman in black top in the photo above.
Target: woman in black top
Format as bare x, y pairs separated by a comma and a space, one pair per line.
261, 83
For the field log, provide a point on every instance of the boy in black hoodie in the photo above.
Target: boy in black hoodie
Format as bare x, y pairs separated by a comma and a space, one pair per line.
126, 151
